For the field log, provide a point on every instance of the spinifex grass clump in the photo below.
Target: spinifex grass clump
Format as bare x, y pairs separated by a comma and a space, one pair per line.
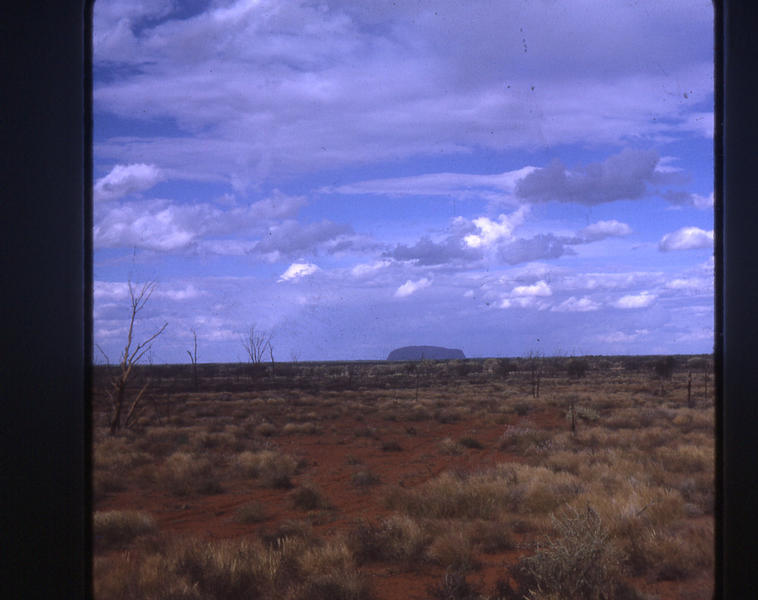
644, 462
397, 538
301, 428
454, 586
272, 468
450, 447
252, 512
116, 528
290, 569
515, 488
183, 473
309, 497
454, 549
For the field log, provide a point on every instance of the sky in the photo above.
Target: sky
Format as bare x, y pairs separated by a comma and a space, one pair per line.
502, 177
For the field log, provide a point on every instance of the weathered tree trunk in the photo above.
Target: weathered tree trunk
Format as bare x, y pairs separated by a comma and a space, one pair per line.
120, 386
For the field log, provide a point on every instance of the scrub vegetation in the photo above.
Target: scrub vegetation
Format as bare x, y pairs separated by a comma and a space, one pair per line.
370, 481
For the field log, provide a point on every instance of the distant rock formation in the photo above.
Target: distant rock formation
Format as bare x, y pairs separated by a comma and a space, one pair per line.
425, 352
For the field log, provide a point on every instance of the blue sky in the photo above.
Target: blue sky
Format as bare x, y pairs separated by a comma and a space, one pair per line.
351, 177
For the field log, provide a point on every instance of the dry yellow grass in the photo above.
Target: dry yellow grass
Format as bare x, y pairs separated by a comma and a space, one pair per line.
642, 460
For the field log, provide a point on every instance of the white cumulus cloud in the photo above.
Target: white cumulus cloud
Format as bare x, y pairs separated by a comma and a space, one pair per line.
126, 179
367, 268
574, 304
640, 300
490, 232
686, 238
410, 287
523, 302
298, 270
604, 229
538, 289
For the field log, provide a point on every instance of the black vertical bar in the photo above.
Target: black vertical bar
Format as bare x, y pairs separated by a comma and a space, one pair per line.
736, 227
44, 302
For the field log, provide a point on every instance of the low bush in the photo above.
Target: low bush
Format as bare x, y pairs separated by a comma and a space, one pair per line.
449, 497
521, 408
266, 429
450, 446
492, 536
579, 563
369, 432
391, 446
397, 538
521, 439
252, 512
329, 572
470, 442
183, 474
289, 529
453, 586
308, 497
271, 467
576, 368
300, 428
454, 550
364, 478
116, 528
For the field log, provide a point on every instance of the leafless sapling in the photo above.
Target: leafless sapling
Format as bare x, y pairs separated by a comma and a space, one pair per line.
129, 358
271, 356
193, 358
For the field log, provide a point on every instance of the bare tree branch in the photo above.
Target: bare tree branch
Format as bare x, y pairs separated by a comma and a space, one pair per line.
193, 358
107, 360
256, 343
129, 358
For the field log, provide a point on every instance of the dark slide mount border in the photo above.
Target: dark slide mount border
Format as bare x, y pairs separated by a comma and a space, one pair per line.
45, 304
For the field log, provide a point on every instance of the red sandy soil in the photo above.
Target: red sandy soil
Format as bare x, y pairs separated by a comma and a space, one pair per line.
326, 453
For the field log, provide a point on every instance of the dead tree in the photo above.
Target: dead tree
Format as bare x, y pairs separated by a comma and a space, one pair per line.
129, 358
193, 358
256, 344
535, 371
271, 356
